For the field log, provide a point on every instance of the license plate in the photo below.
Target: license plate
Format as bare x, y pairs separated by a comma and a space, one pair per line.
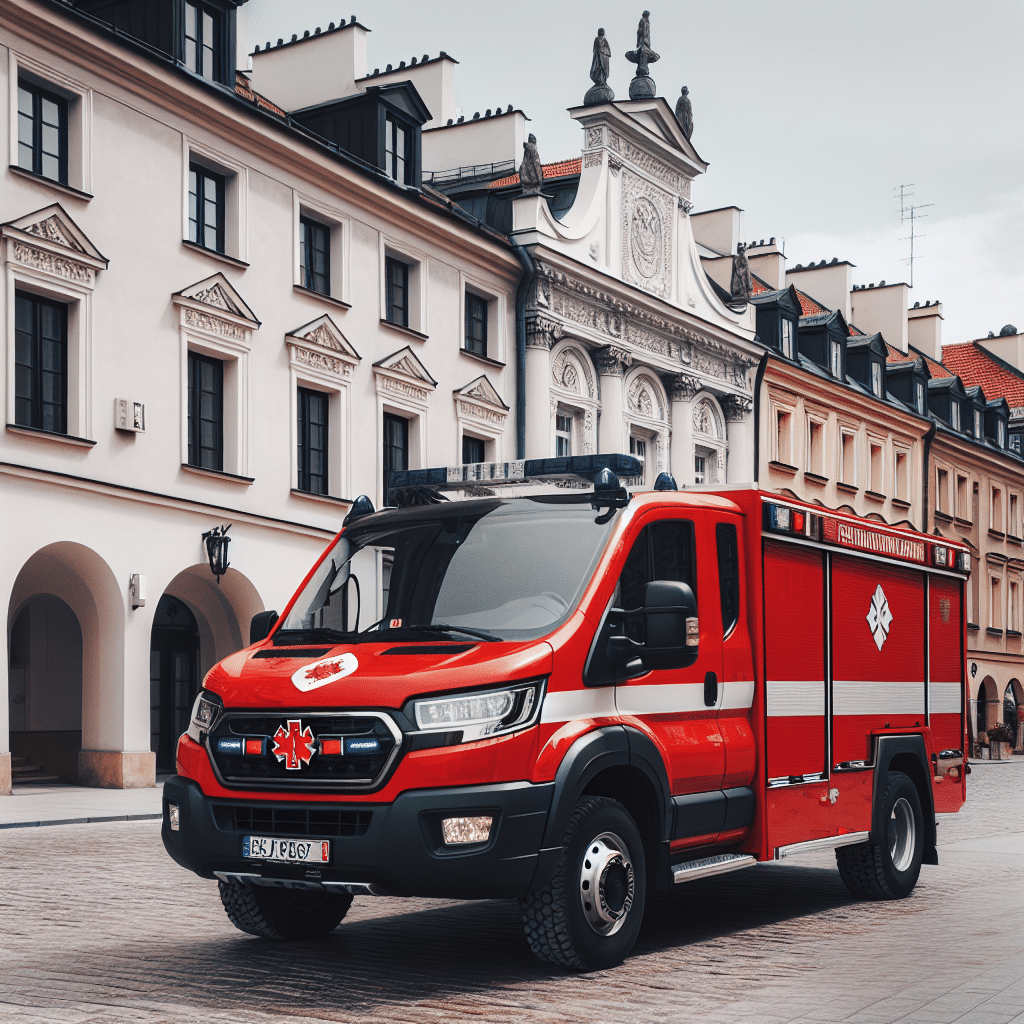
287, 851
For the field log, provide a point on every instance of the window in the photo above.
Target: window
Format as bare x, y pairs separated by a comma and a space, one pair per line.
728, 575
784, 437
847, 456
962, 494
474, 449
315, 255
700, 469
1013, 526
876, 379
816, 446
397, 140
979, 432
205, 412
42, 132
397, 291
206, 208
1013, 609
901, 475
919, 397
313, 430
396, 447
1001, 433
954, 414
40, 363
203, 28
476, 324
836, 359
995, 604
788, 338
638, 449
563, 435
996, 520
877, 469
942, 491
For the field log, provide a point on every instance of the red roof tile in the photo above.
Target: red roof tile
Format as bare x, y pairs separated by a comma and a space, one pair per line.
974, 365
559, 169
935, 368
808, 307
246, 91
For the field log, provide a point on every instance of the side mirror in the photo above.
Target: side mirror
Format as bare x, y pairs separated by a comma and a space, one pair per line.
261, 625
670, 617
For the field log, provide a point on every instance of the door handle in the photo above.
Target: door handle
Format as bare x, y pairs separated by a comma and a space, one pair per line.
710, 689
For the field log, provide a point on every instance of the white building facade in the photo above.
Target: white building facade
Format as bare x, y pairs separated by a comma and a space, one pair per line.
209, 316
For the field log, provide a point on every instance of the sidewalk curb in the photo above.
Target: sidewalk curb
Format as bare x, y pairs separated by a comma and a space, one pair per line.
81, 821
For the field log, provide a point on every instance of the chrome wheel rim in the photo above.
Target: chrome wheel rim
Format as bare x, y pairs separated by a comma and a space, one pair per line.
902, 835
606, 884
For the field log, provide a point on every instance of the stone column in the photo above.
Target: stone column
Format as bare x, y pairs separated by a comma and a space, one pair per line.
538, 389
739, 429
681, 390
611, 363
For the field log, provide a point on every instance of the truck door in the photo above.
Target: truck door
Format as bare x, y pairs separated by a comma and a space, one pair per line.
670, 703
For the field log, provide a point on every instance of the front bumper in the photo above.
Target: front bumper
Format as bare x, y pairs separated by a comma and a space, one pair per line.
401, 851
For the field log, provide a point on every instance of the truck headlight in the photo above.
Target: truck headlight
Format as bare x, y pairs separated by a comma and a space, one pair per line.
204, 711
483, 714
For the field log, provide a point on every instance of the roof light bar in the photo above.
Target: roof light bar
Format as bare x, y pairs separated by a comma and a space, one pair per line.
782, 519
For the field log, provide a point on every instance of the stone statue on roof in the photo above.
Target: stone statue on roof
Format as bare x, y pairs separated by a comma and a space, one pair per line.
742, 283
531, 174
643, 87
600, 91
684, 113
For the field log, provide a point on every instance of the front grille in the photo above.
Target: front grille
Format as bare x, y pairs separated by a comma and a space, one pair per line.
294, 821
339, 751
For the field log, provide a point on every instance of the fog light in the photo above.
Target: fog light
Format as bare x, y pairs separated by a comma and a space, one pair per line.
172, 817
466, 830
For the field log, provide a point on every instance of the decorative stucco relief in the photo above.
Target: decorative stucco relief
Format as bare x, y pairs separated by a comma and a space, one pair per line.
50, 263
566, 371
643, 398
591, 159
214, 296
50, 229
321, 361
403, 388
213, 324
482, 412
646, 235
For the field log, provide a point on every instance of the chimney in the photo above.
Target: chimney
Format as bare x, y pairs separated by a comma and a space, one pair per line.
768, 262
828, 284
1008, 345
434, 80
924, 328
720, 230
883, 308
482, 141
313, 68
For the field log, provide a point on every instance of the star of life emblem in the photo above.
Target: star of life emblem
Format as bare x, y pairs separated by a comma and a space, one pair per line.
879, 617
294, 745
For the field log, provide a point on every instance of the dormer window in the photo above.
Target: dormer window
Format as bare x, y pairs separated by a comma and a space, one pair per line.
954, 415
978, 432
876, 379
203, 28
396, 150
788, 338
836, 359
1001, 433
919, 390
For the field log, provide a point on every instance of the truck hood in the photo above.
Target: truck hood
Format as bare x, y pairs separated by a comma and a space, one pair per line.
371, 675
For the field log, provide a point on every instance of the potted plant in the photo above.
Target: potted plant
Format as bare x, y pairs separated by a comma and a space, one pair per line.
999, 735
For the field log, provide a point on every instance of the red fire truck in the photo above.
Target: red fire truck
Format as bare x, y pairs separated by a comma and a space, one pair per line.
576, 698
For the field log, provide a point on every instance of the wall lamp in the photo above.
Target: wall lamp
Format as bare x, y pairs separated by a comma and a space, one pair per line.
217, 541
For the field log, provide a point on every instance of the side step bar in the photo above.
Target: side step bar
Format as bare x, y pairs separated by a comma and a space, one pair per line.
827, 843
355, 888
707, 866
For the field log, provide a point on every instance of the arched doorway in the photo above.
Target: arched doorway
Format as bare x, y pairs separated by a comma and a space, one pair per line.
986, 695
173, 677
45, 691
1012, 701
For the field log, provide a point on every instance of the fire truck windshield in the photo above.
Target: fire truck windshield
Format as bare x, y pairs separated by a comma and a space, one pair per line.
498, 569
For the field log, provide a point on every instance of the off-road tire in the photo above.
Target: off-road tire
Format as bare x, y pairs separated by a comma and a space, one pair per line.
554, 919
868, 869
282, 913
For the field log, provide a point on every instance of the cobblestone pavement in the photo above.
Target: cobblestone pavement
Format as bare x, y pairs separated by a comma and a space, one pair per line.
98, 925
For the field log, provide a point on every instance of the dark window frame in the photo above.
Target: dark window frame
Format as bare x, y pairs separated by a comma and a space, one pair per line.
727, 544
469, 444
396, 292
477, 310
397, 166
395, 456
40, 94
198, 226
196, 448
310, 401
30, 401
203, 46
310, 232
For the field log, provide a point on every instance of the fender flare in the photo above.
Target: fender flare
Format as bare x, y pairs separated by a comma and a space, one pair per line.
888, 747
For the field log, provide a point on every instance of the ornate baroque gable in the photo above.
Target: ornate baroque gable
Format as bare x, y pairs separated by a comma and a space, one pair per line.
479, 399
320, 345
51, 243
212, 306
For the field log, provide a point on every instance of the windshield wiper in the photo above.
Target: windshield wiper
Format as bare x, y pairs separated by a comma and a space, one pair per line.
441, 627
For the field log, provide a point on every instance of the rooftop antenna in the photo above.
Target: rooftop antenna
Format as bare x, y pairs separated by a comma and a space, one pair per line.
908, 212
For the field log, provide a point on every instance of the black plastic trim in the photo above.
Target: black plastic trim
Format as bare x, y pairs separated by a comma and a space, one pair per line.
886, 748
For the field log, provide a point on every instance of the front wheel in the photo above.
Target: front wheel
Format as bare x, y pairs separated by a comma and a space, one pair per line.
282, 913
887, 867
589, 914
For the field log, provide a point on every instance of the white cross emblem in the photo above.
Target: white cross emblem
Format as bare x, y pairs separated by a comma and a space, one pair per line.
879, 617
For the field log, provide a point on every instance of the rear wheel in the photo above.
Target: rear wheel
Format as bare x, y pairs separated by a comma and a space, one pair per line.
589, 914
887, 867
282, 913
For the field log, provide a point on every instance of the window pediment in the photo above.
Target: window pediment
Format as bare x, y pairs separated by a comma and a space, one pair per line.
320, 345
480, 399
403, 375
213, 308
50, 242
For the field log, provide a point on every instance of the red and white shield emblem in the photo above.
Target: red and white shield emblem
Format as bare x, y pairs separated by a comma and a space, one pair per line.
294, 745
320, 673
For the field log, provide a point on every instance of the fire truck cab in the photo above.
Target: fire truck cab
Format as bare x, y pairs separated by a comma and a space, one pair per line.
574, 698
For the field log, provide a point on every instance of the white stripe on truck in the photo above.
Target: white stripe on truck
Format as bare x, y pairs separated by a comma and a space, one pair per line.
945, 698
642, 699
898, 697
795, 698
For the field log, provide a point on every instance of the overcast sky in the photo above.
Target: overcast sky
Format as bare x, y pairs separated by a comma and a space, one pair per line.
809, 113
